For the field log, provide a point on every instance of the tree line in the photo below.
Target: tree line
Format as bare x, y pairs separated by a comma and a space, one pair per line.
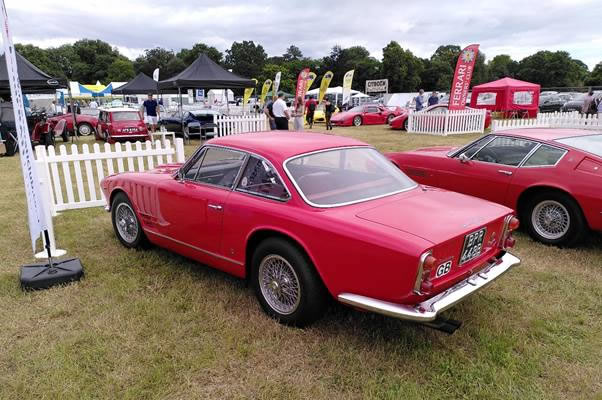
88, 61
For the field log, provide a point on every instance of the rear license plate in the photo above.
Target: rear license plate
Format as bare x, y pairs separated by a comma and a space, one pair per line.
473, 243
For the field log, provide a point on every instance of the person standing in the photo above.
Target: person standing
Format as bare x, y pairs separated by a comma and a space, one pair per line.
419, 100
586, 108
52, 110
298, 115
310, 105
281, 113
600, 109
268, 111
433, 99
151, 107
93, 104
328, 111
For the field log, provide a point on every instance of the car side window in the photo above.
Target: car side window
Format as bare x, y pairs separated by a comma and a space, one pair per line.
505, 150
476, 146
194, 165
371, 109
545, 156
220, 166
261, 179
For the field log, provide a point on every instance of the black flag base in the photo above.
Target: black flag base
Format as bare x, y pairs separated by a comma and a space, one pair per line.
44, 276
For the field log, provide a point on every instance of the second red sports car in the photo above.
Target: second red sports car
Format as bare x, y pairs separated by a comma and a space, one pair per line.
369, 114
401, 122
551, 177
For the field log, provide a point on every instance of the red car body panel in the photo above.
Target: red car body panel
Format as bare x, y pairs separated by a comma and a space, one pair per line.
81, 118
575, 173
380, 117
398, 122
371, 248
111, 129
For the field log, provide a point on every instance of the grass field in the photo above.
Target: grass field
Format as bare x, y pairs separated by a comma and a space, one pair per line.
153, 325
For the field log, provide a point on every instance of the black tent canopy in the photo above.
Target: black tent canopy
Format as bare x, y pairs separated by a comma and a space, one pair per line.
204, 73
33, 80
141, 84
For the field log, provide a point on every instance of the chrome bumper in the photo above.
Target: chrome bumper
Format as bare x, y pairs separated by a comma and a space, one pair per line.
429, 309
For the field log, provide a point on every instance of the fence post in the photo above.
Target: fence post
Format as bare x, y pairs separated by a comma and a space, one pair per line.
446, 123
179, 150
410, 123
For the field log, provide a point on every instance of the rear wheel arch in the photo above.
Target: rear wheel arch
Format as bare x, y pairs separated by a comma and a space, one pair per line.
529, 193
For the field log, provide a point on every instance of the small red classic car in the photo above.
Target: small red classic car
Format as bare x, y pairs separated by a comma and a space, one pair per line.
85, 123
401, 122
121, 124
306, 216
368, 114
551, 177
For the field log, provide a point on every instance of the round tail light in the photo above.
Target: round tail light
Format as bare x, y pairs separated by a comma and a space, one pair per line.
513, 224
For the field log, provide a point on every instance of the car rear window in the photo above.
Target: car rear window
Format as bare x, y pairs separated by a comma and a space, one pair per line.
345, 176
126, 116
590, 143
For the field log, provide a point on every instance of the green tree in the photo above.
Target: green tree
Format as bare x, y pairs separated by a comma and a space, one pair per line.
552, 69
246, 58
189, 55
93, 58
120, 70
155, 58
357, 58
595, 78
401, 68
502, 66
292, 53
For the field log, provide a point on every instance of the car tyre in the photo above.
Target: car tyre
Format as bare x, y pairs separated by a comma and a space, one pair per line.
554, 218
286, 283
390, 118
406, 124
126, 224
357, 120
84, 129
49, 139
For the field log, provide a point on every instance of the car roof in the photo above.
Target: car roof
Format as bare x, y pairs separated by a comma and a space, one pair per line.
547, 134
118, 109
280, 145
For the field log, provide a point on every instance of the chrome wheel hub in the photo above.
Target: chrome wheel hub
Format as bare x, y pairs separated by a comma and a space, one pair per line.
551, 219
279, 284
127, 225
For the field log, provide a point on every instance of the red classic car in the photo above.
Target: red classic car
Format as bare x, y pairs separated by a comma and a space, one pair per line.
85, 123
121, 124
551, 177
401, 122
306, 216
369, 114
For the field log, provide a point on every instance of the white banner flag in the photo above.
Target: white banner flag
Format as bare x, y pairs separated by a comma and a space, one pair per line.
156, 75
276, 84
347, 79
35, 210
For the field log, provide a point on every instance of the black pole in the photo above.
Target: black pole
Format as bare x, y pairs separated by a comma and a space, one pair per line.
47, 245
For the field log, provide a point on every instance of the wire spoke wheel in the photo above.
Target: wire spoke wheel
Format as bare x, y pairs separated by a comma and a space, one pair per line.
551, 219
84, 130
126, 223
279, 284
357, 120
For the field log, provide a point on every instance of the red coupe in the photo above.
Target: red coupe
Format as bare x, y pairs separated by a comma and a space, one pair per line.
401, 122
551, 177
369, 114
85, 123
307, 216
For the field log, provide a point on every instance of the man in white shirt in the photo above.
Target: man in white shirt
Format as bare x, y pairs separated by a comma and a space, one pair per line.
93, 104
52, 110
281, 113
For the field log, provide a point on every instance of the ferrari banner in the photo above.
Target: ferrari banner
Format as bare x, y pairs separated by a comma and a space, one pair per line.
35, 209
301, 85
324, 85
462, 77
264, 90
310, 80
247, 95
347, 80
276, 84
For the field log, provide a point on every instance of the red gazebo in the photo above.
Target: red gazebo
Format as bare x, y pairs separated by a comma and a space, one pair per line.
510, 96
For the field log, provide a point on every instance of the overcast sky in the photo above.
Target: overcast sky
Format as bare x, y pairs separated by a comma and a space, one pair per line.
518, 28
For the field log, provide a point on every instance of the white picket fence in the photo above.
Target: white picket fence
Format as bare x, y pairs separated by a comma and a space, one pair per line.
71, 180
551, 120
454, 122
232, 125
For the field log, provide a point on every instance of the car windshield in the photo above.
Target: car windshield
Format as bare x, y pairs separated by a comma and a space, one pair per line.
590, 143
126, 116
344, 176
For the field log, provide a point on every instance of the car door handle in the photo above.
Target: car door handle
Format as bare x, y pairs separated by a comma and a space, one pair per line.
503, 171
215, 206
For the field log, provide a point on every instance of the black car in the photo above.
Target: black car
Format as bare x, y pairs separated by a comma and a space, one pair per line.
551, 103
192, 123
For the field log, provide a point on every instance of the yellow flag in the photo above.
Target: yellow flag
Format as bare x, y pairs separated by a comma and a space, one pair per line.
264, 90
347, 79
247, 95
310, 80
324, 85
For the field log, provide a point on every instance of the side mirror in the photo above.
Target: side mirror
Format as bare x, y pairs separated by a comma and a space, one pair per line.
464, 158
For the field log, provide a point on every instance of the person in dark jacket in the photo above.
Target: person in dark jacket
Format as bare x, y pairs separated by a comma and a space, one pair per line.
328, 111
433, 99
